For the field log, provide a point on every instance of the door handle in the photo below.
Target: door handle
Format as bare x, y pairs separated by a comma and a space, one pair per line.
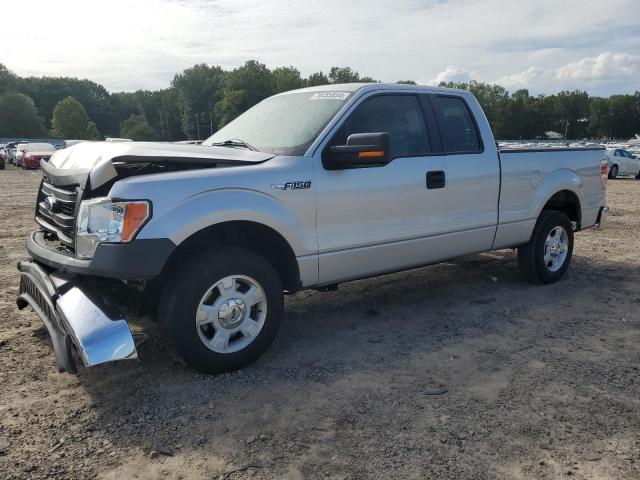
435, 179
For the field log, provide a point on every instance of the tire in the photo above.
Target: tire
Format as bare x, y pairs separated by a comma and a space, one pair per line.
613, 173
533, 264
194, 290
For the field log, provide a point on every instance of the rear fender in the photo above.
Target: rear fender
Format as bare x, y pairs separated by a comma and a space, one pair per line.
564, 179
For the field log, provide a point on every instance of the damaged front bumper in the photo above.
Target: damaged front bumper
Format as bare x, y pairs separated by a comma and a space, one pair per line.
77, 313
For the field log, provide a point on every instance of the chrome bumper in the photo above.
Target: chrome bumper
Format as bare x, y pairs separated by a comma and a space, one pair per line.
77, 313
601, 221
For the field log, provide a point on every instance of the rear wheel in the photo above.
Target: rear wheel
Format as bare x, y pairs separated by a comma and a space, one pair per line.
613, 173
547, 255
221, 309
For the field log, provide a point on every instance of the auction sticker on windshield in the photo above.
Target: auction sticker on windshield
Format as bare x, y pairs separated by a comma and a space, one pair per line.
329, 96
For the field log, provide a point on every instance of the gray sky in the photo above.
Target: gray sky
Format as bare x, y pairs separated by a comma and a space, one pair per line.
543, 45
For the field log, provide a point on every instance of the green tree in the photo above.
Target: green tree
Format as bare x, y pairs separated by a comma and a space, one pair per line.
70, 121
245, 86
47, 92
169, 121
19, 116
600, 118
625, 115
316, 79
137, 128
286, 78
231, 105
572, 113
406, 82
343, 75
199, 88
515, 118
8, 80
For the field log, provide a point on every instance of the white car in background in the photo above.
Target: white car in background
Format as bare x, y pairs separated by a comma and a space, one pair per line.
20, 149
622, 162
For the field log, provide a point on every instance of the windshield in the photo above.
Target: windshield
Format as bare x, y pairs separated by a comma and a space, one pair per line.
284, 124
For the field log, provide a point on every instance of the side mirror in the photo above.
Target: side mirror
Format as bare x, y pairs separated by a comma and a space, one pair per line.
362, 150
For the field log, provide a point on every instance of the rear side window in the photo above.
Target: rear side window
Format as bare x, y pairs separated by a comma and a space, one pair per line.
399, 115
458, 130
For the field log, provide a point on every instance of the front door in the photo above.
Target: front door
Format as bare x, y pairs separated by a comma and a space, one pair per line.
379, 219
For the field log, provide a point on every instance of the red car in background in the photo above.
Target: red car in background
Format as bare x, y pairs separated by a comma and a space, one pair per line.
36, 152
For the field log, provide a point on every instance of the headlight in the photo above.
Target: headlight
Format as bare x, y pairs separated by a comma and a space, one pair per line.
106, 220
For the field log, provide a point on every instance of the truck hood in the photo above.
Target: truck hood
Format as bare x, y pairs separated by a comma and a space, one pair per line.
89, 155
97, 161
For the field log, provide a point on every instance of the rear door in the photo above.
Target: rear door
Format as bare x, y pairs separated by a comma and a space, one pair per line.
377, 219
473, 172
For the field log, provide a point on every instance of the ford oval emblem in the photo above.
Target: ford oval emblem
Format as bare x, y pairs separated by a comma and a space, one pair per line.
51, 202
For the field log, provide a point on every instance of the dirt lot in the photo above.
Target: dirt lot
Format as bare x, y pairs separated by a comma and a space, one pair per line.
541, 382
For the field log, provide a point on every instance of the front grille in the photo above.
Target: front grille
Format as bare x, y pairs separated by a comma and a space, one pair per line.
57, 209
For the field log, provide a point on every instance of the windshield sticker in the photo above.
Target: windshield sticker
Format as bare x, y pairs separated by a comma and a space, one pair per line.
329, 96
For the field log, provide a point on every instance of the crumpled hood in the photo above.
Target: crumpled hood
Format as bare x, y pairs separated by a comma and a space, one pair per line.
89, 155
95, 160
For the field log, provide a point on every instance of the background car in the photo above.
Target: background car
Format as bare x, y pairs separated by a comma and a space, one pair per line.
20, 148
622, 162
3, 158
10, 150
34, 153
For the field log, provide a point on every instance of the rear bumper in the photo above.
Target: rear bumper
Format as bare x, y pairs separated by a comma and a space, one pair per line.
603, 214
78, 313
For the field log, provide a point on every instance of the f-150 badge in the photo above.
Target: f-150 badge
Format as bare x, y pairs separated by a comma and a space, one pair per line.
292, 185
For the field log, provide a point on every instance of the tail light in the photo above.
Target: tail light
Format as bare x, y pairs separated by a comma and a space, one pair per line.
604, 172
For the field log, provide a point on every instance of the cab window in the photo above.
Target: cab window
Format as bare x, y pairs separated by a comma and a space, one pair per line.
458, 130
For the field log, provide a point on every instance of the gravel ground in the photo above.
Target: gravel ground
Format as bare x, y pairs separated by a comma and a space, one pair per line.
460, 370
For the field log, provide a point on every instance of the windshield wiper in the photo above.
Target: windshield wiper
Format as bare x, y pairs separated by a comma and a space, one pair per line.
235, 142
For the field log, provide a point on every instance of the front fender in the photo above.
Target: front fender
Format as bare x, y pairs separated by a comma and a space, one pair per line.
231, 204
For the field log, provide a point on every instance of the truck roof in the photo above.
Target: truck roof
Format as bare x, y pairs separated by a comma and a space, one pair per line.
365, 87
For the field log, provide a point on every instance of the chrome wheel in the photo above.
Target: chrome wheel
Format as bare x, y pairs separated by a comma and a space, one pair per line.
231, 314
556, 248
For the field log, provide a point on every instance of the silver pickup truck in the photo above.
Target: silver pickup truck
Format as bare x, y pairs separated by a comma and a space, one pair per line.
307, 189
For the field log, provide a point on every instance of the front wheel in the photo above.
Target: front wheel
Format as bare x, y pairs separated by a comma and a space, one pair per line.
547, 255
222, 308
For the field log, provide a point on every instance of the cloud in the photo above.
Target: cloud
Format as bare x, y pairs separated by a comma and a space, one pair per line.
452, 73
604, 68
525, 78
143, 44
605, 65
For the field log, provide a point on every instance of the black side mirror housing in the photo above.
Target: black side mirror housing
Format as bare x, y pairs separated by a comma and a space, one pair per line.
362, 150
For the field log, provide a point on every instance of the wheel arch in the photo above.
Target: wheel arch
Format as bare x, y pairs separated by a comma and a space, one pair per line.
257, 237
563, 191
568, 202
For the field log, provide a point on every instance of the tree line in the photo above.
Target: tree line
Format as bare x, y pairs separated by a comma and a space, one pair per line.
203, 98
